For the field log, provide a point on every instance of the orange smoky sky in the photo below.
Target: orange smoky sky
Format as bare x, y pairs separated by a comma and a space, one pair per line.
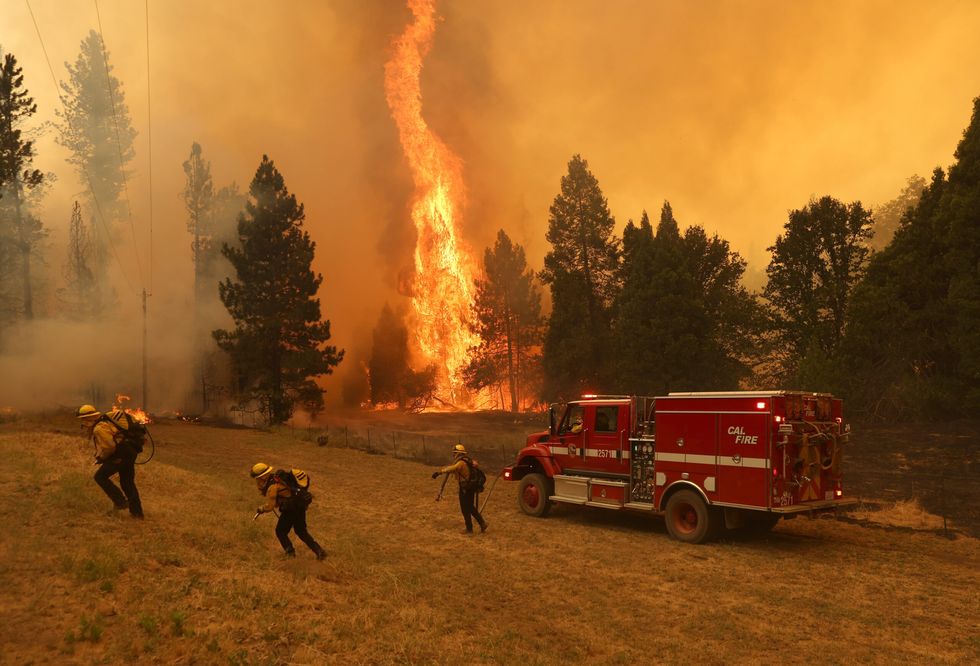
735, 112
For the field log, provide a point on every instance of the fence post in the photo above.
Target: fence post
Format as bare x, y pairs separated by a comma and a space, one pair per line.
942, 501
394, 444
369, 440
425, 454
346, 441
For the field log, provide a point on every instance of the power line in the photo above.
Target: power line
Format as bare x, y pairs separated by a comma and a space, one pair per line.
149, 134
88, 178
115, 123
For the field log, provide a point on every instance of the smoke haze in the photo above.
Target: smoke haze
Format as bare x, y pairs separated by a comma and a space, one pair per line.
736, 112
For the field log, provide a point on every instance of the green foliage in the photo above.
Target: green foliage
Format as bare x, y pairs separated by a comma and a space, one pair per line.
96, 126
888, 216
913, 343
507, 317
392, 380
90, 629
148, 624
581, 269
177, 619
198, 196
684, 322
815, 265
279, 341
20, 231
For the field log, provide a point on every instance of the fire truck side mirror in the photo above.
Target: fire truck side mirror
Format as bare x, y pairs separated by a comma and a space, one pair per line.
551, 420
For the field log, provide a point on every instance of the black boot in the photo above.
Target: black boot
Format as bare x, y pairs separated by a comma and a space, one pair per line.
290, 553
321, 554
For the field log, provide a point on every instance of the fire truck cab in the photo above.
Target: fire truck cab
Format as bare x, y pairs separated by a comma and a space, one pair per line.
705, 461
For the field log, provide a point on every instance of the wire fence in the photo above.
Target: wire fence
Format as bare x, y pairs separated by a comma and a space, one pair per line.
491, 451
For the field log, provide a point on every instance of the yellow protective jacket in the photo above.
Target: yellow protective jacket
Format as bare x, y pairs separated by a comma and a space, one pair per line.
107, 436
274, 493
459, 469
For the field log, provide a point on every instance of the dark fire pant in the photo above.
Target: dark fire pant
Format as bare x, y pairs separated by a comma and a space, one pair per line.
468, 505
125, 466
294, 519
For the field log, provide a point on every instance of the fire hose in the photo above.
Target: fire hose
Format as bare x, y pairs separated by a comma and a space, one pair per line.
490, 492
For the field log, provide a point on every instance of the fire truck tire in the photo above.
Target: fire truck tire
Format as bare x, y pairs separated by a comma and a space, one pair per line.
689, 518
533, 493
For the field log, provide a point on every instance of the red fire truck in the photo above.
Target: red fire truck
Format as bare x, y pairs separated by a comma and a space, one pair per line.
705, 461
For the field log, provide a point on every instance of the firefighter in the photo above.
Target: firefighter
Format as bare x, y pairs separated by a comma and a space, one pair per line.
114, 456
467, 494
292, 510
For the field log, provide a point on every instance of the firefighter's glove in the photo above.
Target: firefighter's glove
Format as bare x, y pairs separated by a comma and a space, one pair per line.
435, 475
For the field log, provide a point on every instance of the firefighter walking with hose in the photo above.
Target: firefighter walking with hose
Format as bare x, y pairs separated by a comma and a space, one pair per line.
115, 453
467, 473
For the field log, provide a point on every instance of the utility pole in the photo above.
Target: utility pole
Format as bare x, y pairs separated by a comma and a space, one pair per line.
146, 404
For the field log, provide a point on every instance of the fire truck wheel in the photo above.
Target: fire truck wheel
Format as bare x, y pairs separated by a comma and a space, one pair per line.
533, 493
688, 517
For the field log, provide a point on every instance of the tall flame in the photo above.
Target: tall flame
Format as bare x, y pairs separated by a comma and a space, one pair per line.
442, 292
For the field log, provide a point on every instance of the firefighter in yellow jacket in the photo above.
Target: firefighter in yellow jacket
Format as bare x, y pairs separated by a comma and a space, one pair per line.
114, 456
467, 494
292, 510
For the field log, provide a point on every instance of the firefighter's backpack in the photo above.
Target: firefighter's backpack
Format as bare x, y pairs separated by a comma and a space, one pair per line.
298, 483
133, 432
478, 479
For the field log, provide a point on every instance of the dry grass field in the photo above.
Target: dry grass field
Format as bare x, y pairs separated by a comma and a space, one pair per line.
199, 582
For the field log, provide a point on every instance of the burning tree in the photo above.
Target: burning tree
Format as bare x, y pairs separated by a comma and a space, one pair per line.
391, 377
278, 344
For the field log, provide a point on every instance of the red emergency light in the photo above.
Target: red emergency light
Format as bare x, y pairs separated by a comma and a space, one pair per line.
507, 475
590, 395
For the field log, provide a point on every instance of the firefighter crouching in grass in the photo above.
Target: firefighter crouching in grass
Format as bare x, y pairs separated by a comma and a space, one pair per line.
463, 470
114, 456
291, 502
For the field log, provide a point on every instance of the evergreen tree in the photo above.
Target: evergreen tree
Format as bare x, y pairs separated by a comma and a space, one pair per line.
97, 131
79, 278
914, 328
581, 269
96, 126
888, 216
815, 265
684, 322
390, 374
507, 317
20, 231
279, 341
198, 196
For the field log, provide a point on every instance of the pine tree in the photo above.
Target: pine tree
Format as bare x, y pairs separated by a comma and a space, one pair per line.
279, 342
507, 317
20, 231
198, 196
581, 269
914, 325
96, 126
391, 377
888, 216
97, 131
815, 265
77, 271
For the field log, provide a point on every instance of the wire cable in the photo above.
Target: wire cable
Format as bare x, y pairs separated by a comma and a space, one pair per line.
149, 136
88, 178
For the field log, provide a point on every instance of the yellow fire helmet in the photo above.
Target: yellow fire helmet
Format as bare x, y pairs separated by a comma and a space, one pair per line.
87, 412
260, 470
459, 450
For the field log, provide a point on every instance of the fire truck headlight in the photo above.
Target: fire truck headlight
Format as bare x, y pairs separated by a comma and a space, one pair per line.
507, 475
839, 492
760, 405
